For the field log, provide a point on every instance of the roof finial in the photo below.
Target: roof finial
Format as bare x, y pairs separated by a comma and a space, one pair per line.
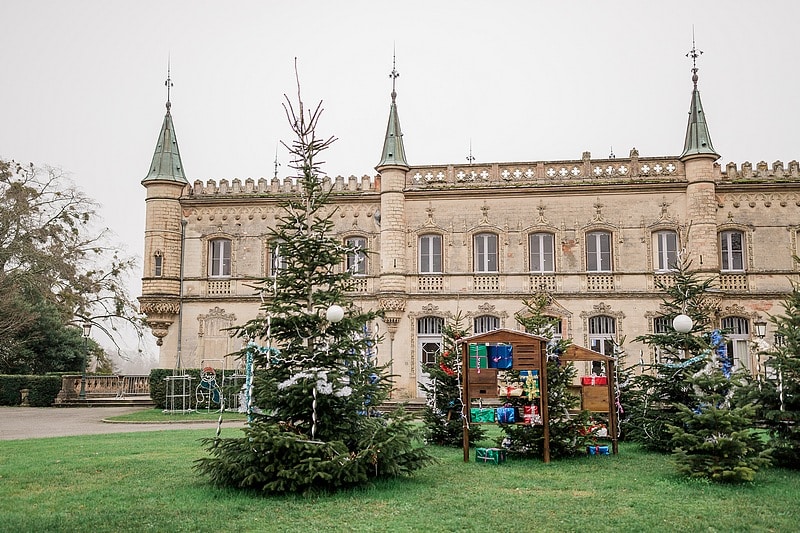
168, 83
469, 157
611, 155
694, 53
394, 75
276, 162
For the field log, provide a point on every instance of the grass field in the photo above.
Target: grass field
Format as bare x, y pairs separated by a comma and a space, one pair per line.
145, 482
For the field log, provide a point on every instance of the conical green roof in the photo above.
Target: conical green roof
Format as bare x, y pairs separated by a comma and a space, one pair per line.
698, 139
394, 154
166, 163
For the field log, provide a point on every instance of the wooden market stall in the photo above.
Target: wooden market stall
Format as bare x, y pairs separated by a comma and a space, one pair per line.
527, 353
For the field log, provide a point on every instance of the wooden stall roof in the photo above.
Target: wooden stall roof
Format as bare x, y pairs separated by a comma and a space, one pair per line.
502, 335
579, 353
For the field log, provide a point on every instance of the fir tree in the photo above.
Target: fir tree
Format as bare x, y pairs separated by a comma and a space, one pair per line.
714, 438
442, 414
319, 387
779, 395
569, 433
652, 401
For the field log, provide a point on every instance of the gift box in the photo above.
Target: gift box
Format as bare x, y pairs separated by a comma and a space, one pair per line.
594, 380
499, 356
597, 450
530, 414
508, 391
506, 415
478, 356
481, 414
493, 456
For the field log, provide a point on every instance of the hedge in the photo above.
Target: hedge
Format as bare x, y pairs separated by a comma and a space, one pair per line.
42, 390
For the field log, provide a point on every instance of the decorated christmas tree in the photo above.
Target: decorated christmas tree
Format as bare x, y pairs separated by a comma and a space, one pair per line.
779, 395
442, 414
569, 426
319, 383
651, 405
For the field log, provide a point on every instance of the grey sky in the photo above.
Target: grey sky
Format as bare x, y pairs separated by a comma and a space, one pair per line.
523, 80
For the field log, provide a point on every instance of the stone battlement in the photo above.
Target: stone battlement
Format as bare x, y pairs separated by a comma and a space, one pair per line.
762, 171
277, 186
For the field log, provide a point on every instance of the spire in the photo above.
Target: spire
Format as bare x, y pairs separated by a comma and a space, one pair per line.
698, 139
166, 163
394, 154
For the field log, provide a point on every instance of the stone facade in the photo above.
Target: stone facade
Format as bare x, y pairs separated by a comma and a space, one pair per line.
588, 231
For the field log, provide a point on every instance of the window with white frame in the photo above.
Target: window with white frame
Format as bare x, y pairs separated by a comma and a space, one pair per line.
598, 251
665, 248
737, 337
732, 249
661, 326
541, 249
430, 254
277, 261
602, 330
485, 323
356, 257
485, 252
158, 264
551, 330
429, 339
219, 258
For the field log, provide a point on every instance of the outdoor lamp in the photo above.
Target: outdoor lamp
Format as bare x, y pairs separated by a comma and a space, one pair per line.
87, 329
335, 313
682, 323
761, 328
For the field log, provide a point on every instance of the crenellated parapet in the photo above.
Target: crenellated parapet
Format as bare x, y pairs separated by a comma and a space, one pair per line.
263, 186
549, 173
762, 171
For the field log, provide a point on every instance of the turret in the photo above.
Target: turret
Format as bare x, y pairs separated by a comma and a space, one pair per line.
161, 280
698, 158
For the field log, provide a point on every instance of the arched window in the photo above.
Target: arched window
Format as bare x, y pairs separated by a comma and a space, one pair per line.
598, 251
277, 261
551, 330
485, 252
356, 256
485, 323
430, 254
219, 258
731, 248
541, 252
665, 248
602, 330
158, 264
662, 325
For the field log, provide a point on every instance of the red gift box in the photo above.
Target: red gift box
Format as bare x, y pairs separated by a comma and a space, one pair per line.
594, 380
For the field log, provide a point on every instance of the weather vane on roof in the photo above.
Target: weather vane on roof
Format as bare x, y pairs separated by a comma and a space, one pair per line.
394, 74
168, 83
694, 53
276, 162
470, 159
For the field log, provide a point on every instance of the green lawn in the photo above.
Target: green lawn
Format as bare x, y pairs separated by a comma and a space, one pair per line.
159, 416
144, 482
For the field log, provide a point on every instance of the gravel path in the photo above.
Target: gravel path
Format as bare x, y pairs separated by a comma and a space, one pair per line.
35, 422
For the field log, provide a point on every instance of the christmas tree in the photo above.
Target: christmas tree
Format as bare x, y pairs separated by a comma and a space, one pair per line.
442, 414
652, 400
569, 426
320, 384
779, 394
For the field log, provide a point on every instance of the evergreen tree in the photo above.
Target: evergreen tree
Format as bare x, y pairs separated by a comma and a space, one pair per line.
779, 395
319, 388
655, 394
569, 433
714, 438
442, 414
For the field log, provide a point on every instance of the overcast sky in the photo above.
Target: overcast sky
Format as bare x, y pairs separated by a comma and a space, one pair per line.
83, 85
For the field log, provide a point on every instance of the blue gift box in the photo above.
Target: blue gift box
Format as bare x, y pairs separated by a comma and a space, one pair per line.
500, 356
597, 450
506, 415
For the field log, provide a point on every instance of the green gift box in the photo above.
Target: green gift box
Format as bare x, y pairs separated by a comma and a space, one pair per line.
478, 356
493, 456
481, 414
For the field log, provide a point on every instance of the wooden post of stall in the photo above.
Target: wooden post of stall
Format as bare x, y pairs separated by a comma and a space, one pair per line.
465, 399
612, 405
543, 401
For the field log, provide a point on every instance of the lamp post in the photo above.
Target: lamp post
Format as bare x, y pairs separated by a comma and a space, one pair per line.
760, 327
87, 329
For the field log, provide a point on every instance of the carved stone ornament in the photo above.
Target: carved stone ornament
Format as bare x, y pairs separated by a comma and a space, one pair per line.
392, 304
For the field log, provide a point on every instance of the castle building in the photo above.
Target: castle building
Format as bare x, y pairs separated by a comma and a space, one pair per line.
478, 239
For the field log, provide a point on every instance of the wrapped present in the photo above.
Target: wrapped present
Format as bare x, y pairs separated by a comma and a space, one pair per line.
481, 414
509, 391
478, 356
530, 414
499, 356
493, 456
597, 450
506, 415
594, 380
531, 386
